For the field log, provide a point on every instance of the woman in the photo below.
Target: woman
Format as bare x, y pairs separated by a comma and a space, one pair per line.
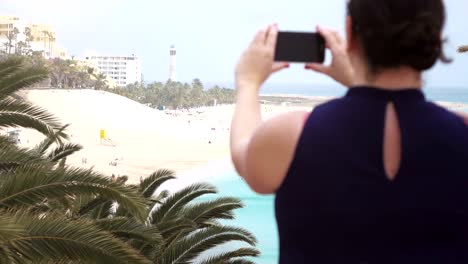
378, 176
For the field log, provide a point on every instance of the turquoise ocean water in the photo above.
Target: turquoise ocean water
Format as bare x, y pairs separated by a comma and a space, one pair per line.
258, 214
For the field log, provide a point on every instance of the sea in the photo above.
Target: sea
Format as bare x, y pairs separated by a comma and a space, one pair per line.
258, 214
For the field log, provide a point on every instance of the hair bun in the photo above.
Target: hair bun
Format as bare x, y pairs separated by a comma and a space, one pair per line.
416, 41
396, 33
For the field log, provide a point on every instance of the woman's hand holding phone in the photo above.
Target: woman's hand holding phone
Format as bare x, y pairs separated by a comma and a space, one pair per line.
340, 69
256, 63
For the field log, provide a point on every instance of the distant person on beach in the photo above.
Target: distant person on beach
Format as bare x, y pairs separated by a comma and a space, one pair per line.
377, 176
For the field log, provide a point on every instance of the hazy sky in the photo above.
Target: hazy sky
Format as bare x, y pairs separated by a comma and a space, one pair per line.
209, 34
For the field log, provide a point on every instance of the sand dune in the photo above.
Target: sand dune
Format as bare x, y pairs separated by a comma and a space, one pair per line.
145, 139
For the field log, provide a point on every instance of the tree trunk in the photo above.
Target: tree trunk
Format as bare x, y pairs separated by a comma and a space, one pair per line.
9, 46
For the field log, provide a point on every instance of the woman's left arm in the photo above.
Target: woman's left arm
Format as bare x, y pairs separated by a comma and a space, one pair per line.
260, 150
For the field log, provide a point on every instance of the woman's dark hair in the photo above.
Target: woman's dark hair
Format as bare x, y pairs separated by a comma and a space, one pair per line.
397, 33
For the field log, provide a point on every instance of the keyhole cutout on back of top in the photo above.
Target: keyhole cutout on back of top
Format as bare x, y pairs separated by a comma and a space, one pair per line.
392, 143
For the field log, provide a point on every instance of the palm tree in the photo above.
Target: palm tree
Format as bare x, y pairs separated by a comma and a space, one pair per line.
20, 48
36, 183
14, 75
29, 38
11, 36
463, 49
6, 45
101, 81
181, 230
51, 39
54, 213
15, 33
45, 34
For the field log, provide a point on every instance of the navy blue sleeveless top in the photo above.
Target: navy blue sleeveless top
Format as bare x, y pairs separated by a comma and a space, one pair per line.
336, 204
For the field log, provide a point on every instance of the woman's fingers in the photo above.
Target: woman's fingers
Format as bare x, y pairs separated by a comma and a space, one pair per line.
278, 66
330, 38
338, 38
257, 62
261, 36
272, 36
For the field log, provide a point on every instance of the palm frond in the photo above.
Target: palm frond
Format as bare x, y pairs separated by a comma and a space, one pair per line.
12, 156
150, 184
174, 227
20, 78
128, 229
10, 66
14, 113
240, 261
227, 257
204, 213
55, 237
29, 185
42, 147
63, 151
145, 238
6, 256
90, 204
104, 210
156, 201
62, 163
185, 250
176, 202
8, 229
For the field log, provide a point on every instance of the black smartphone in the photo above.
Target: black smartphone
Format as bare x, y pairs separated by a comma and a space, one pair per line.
300, 47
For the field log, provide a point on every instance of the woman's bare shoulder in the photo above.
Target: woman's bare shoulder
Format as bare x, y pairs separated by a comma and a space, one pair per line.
271, 151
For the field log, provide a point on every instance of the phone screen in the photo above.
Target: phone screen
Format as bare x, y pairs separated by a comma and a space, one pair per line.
300, 47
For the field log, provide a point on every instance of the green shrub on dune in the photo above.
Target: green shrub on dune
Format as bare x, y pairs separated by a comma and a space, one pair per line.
54, 213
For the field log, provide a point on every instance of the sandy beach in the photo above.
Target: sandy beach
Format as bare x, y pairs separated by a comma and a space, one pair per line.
140, 139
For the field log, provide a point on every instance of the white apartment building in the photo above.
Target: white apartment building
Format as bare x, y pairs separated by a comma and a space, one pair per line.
123, 70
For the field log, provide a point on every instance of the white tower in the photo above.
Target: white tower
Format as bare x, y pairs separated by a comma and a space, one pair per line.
172, 65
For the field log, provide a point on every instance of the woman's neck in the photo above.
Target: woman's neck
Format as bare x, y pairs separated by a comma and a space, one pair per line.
392, 79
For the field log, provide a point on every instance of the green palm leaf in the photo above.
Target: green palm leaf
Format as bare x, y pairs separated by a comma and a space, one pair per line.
146, 239
174, 227
14, 113
11, 65
150, 184
63, 151
176, 202
29, 185
205, 213
18, 75
8, 229
89, 204
104, 210
130, 229
228, 257
186, 250
239, 261
12, 156
147, 188
54, 237
42, 147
